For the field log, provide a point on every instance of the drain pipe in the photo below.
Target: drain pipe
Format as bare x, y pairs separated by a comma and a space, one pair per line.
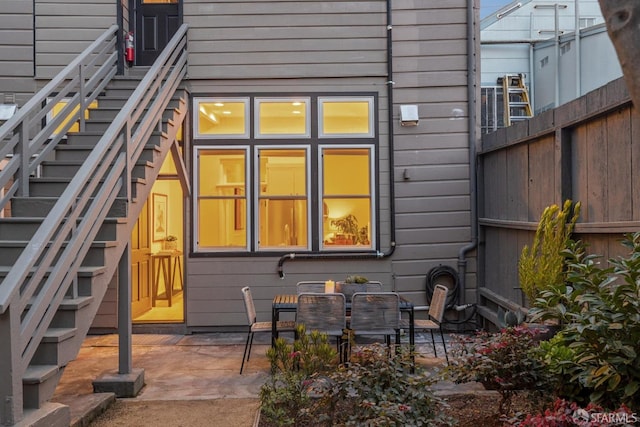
392, 222
471, 101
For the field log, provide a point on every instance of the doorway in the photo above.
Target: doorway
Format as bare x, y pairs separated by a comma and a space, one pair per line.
157, 244
156, 21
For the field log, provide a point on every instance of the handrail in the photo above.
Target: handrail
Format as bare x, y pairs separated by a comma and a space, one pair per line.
22, 136
40, 278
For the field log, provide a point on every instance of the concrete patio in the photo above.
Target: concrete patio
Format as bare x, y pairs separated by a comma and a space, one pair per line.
184, 367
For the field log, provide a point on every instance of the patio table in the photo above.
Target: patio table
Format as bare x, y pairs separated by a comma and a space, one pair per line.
289, 303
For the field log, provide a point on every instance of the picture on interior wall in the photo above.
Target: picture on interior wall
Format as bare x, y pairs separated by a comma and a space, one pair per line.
159, 217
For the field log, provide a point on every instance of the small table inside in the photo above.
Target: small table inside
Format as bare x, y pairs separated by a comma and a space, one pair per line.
167, 264
289, 303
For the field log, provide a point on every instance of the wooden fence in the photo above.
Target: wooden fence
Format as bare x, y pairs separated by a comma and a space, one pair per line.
587, 150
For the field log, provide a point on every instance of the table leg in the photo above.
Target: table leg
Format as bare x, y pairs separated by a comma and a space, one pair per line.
412, 340
275, 315
169, 282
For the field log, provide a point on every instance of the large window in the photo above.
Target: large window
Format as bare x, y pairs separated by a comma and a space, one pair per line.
284, 175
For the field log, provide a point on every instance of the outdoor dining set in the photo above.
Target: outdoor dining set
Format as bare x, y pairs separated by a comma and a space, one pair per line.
339, 311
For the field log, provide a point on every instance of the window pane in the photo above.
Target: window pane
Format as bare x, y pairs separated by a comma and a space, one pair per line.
355, 162
346, 118
76, 126
222, 117
282, 117
346, 201
222, 204
283, 207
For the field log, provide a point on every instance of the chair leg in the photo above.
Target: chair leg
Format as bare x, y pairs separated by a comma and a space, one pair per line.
433, 342
246, 346
444, 345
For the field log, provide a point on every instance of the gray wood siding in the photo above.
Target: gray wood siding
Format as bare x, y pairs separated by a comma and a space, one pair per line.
213, 297
585, 151
433, 204
286, 39
64, 28
16, 50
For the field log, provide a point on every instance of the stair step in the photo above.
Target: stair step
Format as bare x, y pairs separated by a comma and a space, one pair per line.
71, 313
57, 347
10, 250
66, 152
91, 138
50, 187
41, 206
39, 383
69, 168
24, 228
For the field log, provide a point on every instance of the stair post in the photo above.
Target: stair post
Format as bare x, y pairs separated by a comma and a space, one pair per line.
10, 367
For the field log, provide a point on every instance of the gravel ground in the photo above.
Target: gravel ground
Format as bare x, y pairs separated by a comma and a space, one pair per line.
180, 413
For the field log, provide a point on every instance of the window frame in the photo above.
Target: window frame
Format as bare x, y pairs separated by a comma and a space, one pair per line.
257, 197
196, 117
325, 99
256, 117
372, 196
314, 144
196, 191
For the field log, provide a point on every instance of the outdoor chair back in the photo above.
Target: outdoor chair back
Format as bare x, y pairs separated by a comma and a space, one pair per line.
375, 313
310, 286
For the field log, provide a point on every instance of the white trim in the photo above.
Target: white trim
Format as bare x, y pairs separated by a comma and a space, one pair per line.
367, 99
196, 191
307, 123
372, 196
256, 196
196, 117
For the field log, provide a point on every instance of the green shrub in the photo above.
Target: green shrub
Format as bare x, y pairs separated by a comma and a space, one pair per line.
543, 264
604, 325
376, 388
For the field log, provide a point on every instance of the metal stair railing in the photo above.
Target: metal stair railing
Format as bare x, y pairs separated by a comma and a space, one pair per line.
64, 238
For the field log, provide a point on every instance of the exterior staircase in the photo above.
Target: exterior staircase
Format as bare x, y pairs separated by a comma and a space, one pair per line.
62, 239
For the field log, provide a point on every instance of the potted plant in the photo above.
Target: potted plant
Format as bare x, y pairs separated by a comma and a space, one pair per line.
348, 230
170, 243
543, 265
351, 285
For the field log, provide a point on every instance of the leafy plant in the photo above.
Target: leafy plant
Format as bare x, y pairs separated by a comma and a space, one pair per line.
376, 388
564, 413
356, 279
543, 264
604, 325
347, 225
170, 238
501, 361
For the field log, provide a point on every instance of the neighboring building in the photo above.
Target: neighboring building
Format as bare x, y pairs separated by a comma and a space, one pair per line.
537, 39
321, 139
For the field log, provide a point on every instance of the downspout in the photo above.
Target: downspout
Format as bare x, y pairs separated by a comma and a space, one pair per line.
392, 202
471, 107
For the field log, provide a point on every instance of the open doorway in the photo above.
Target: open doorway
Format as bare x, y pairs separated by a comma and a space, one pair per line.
157, 244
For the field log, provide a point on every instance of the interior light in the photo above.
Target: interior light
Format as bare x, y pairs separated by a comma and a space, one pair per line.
296, 104
296, 112
226, 112
219, 104
202, 109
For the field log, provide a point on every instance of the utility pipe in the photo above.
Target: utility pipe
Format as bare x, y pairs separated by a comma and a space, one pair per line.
392, 202
471, 107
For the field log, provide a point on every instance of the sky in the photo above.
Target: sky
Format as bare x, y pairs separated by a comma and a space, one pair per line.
487, 7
